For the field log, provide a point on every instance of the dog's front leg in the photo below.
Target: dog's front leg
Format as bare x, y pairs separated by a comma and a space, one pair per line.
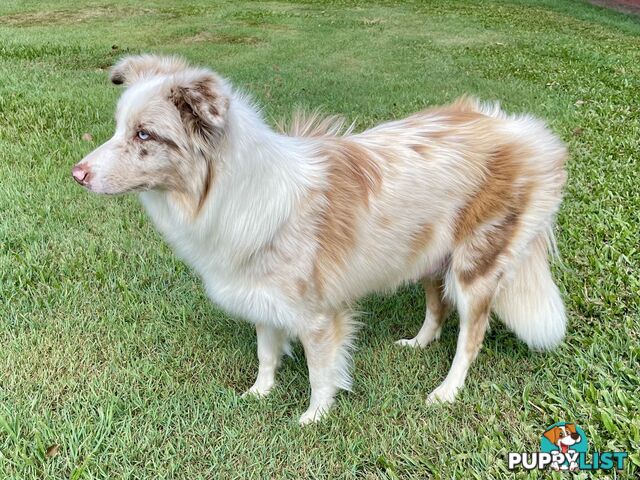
271, 345
326, 348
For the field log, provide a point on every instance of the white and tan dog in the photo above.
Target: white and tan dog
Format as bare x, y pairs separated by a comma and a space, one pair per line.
289, 230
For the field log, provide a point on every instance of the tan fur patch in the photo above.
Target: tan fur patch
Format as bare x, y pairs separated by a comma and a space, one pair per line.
353, 177
206, 187
301, 287
422, 149
334, 334
449, 119
190, 201
499, 200
168, 142
385, 222
436, 304
419, 240
453, 117
462, 111
182, 199
479, 319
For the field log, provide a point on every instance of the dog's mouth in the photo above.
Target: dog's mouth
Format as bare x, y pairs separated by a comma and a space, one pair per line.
84, 176
139, 188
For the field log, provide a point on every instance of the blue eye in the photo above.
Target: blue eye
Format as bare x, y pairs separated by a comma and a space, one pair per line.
144, 135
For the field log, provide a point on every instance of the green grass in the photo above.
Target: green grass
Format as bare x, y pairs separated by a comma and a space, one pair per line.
108, 346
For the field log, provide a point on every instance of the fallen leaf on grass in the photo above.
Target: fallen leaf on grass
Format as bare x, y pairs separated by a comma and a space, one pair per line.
53, 450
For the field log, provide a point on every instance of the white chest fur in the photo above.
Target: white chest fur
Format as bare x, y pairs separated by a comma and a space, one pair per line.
221, 256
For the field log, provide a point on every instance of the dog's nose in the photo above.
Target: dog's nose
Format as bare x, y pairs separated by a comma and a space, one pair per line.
575, 436
80, 174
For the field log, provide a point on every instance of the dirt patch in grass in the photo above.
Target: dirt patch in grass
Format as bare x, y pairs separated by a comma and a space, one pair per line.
220, 38
625, 6
66, 17
468, 40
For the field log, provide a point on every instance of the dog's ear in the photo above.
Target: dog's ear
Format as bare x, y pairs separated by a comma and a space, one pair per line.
553, 435
131, 69
571, 427
202, 99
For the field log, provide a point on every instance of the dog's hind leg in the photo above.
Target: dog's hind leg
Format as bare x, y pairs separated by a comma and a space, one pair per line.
272, 343
437, 311
327, 350
474, 304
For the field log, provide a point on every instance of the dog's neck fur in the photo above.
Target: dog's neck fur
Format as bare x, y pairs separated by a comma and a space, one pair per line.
259, 175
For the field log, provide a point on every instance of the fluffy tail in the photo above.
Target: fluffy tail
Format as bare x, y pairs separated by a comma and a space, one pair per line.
529, 302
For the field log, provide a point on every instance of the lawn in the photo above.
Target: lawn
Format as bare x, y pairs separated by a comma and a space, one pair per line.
113, 364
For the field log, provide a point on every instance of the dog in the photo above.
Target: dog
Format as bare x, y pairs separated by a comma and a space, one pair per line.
564, 437
287, 229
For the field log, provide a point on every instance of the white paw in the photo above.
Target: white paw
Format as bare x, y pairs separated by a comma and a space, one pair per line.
443, 394
418, 341
258, 391
313, 414
408, 342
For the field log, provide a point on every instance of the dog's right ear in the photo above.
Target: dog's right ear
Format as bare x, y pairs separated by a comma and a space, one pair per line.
133, 68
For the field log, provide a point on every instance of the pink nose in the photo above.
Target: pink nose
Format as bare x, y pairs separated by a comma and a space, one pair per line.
81, 174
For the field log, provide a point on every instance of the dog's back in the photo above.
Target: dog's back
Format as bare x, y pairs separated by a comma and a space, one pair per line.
465, 178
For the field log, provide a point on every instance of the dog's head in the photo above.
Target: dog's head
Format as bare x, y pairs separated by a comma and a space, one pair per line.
168, 121
563, 435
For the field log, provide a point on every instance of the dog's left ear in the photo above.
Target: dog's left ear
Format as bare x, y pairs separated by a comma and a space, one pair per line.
202, 99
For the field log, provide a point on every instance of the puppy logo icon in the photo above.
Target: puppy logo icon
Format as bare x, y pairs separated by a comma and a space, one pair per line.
567, 439
563, 447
